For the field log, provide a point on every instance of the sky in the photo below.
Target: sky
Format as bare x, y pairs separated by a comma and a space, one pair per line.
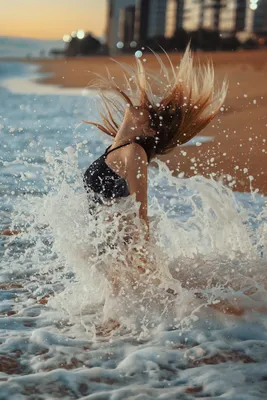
51, 19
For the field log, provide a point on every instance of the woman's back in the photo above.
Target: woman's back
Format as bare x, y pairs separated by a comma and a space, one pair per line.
102, 180
107, 176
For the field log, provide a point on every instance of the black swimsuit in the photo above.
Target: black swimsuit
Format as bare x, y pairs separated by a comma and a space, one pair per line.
103, 181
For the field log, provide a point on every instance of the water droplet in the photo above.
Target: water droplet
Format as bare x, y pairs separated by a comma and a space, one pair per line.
138, 54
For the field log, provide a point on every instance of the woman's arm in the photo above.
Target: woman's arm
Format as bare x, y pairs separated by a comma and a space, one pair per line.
136, 177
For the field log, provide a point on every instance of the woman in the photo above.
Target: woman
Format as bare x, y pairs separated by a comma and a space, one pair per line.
149, 125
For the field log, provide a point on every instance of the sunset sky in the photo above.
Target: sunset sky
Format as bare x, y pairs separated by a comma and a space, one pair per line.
51, 19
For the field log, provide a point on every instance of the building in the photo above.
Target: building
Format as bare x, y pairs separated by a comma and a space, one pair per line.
126, 25
244, 17
134, 20
191, 14
260, 16
226, 16
115, 31
211, 14
233, 16
141, 20
183, 14
150, 19
130, 21
174, 17
241, 8
156, 18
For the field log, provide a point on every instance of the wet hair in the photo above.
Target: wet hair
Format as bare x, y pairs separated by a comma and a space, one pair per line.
181, 100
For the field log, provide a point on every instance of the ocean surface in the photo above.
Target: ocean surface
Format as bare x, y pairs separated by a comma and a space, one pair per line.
24, 47
194, 327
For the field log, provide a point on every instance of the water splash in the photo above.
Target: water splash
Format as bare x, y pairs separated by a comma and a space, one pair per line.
205, 248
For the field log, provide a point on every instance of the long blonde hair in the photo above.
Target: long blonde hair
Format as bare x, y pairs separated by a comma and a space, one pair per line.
185, 104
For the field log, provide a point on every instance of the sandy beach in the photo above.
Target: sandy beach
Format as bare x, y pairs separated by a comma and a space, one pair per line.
238, 153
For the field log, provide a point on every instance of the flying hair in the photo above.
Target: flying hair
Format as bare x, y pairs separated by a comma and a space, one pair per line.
181, 100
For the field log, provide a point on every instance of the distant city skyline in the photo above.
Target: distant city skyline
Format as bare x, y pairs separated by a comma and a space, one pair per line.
51, 19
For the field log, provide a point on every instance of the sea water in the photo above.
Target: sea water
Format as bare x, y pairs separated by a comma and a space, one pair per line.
193, 326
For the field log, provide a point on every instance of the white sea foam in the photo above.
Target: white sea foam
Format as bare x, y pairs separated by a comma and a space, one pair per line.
32, 86
207, 245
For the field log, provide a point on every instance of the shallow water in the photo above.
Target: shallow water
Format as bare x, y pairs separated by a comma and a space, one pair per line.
23, 47
208, 246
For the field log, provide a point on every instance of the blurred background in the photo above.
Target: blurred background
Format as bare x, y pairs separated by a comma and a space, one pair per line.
64, 28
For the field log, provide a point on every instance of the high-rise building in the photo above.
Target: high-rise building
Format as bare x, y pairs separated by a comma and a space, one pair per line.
109, 22
260, 16
156, 18
219, 15
192, 15
174, 17
114, 23
207, 20
183, 14
233, 16
211, 12
126, 24
240, 15
141, 20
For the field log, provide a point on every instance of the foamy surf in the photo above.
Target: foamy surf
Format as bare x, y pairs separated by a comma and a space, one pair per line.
63, 332
59, 311
208, 249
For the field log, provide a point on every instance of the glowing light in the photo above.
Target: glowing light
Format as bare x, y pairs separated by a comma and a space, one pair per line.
253, 4
80, 34
66, 38
133, 44
138, 53
120, 45
74, 34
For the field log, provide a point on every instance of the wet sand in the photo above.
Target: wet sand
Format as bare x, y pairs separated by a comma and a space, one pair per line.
238, 153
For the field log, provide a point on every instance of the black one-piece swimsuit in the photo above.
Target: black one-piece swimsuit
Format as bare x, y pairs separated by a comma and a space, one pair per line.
100, 179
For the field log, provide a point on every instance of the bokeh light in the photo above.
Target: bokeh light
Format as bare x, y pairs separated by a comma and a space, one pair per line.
133, 44
138, 54
80, 34
120, 45
253, 4
66, 38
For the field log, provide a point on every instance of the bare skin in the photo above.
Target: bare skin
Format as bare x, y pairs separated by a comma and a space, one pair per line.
130, 162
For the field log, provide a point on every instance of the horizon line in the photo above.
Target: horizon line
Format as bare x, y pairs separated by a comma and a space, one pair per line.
34, 38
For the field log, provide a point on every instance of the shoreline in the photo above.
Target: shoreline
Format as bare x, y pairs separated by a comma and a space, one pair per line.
239, 149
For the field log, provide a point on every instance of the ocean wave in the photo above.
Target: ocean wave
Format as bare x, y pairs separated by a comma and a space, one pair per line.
194, 326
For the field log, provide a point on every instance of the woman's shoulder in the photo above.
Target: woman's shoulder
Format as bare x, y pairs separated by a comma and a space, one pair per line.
135, 151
